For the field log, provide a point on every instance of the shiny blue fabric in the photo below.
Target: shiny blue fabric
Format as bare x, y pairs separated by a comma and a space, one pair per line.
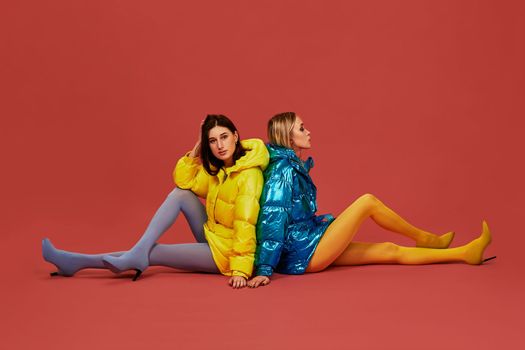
288, 230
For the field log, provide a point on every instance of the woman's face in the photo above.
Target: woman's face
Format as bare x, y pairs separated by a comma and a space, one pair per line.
300, 136
222, 143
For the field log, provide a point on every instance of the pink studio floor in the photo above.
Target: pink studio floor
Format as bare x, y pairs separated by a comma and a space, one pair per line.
449, 306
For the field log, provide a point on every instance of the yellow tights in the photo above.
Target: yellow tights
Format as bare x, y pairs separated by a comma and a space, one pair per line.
336, 246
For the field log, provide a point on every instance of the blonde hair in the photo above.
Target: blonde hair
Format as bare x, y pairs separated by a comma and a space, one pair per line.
279, 129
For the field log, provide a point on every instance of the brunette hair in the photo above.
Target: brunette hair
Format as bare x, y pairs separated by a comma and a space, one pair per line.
211, 163
280, 128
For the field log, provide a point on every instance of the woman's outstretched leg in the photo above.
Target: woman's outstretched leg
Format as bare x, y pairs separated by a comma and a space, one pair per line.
68, 263
195, 257
178, 200
359, 253
391, 221
343, 229
188, 256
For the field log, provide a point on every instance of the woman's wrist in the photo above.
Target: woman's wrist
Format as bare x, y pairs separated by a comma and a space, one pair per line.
236, 273
194, 153
264, 270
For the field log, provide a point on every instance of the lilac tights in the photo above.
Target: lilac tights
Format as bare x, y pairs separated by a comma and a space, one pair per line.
188, 256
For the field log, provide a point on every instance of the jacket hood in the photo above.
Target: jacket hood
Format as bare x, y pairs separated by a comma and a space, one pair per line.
256, 156
281, 153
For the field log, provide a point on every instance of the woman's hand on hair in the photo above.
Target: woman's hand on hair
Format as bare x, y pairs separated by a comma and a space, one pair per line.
237, 282
258, 281
197, 148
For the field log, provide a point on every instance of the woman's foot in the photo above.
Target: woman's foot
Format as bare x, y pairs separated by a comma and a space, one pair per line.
474, 250
65, 262
131, 260
437, 242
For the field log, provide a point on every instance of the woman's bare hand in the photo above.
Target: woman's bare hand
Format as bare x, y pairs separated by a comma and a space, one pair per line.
258, 281
237, 282
197, 148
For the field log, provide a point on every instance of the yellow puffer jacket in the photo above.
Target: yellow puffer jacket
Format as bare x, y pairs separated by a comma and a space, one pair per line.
232, 205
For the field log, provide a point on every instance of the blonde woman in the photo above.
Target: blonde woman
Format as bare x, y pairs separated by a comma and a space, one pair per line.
291, 239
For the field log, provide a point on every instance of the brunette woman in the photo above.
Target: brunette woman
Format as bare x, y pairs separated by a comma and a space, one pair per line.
228, 174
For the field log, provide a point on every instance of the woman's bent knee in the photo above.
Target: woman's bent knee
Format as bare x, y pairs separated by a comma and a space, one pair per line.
180, 193
368, 197
369, 201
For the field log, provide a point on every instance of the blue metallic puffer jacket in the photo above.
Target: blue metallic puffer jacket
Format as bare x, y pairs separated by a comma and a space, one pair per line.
288, 230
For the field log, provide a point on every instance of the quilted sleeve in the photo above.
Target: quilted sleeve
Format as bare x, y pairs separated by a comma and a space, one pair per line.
189, 174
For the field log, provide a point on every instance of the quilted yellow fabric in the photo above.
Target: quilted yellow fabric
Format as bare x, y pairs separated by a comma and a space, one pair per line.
232, 205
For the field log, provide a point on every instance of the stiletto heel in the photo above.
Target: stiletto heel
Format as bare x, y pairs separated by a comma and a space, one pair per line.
137, 275
487, 259
123, 263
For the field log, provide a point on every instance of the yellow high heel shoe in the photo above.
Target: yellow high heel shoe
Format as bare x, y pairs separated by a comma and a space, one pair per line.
474, 250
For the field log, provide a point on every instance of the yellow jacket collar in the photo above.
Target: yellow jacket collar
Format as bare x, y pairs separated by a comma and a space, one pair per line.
256, 156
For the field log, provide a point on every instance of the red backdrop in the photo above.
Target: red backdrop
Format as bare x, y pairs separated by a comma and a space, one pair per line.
418, 102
